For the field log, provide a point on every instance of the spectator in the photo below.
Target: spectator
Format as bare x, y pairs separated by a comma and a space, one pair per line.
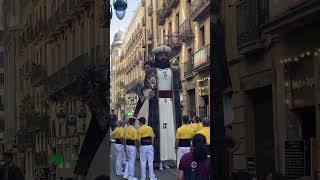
113, 120
195, 164
11, 172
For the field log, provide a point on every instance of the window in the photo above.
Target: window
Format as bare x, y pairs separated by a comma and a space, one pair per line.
202, 36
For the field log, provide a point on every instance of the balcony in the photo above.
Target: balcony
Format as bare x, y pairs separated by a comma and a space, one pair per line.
143, 3
150, 10
285, 17
171, 4
188, 68
173, 41
161, 16
41, 159
129, 87
200, 9
249, 19
143, 21
85, 3
67, 77
186, 33
150, 36
104, 15
201, 59
38, 75
24, 139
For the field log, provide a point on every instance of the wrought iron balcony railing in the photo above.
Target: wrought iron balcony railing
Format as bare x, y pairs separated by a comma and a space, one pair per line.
150, 10
188, 68
172, 3
200, 9
251, 15
201, 58
173, 41
104, 20
143, 21
24, 139
41, 159
71, 73
38, 74
161, 16
186, 32
131, 85
85, 3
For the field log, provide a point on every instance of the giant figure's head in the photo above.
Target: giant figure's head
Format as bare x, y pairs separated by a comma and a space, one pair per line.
161, 54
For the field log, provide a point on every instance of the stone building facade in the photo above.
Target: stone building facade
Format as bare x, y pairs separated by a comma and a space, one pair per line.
273, 54
49, 45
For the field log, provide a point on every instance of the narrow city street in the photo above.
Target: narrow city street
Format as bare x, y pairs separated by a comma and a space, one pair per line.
167, 174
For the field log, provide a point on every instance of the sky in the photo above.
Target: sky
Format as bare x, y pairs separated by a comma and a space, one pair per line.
117, 24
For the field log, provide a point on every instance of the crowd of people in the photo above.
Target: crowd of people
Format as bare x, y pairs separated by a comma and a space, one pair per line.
192, 143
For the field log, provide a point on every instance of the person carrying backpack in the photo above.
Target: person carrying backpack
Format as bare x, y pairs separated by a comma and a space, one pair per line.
195, 165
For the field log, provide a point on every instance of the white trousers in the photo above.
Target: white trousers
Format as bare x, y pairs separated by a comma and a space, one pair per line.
132, 152
180, 152
147, 154
119, 157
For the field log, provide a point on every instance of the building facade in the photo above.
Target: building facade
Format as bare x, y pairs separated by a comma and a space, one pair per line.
49, 46
128, 68
185, 27
273, 54
115, 58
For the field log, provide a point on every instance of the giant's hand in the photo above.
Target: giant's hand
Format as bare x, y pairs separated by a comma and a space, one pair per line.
149, 93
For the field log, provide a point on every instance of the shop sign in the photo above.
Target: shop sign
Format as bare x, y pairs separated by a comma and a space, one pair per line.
294, 159
277, 7
201, 56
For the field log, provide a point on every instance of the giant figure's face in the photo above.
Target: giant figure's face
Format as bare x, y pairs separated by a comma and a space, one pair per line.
162, 60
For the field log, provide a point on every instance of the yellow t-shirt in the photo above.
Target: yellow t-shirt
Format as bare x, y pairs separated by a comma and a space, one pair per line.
117, 133
197, 126
131, 133
145, 131
184, 132
206, 132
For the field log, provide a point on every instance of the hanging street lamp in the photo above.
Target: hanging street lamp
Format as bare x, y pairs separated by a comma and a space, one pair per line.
120, 6
61, 115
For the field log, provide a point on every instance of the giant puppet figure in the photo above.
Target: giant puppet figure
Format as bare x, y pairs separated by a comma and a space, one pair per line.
159, 102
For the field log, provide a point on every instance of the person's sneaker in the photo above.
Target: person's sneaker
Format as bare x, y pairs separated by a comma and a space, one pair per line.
133, 178
125, 177
119, 174
160, 168
166, 166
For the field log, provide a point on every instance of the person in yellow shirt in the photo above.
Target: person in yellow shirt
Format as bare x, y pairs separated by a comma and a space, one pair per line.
130, 143
117, 134
184, 135
146, 139
205, 130
198, 125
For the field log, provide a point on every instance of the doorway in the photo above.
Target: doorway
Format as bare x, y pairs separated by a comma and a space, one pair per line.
307, 119
262, 116
192, 103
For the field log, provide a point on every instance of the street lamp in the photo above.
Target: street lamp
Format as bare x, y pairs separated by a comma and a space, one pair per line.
82, 114
71, 123
61, 115
120, 6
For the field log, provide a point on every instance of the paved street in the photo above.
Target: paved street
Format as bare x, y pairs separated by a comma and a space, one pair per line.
168, 174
